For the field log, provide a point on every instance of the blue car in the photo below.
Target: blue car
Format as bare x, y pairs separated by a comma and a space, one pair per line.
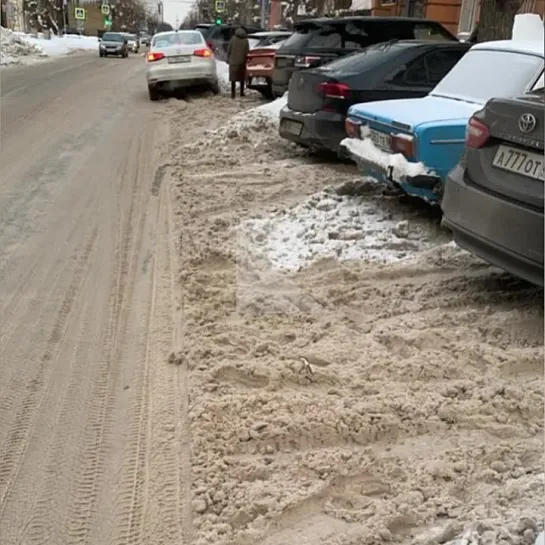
412, 144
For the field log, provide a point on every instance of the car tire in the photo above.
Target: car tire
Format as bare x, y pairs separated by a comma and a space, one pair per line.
153, 93
215, 88
101, 54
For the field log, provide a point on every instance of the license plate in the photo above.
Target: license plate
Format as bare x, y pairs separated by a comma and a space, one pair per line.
259, 81
380, 139
525, 163
177, 60
293, 127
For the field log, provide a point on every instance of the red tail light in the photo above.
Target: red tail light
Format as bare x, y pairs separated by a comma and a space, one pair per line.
402, 143
477, 133
334, 90
352, 129
156, 56
202, 53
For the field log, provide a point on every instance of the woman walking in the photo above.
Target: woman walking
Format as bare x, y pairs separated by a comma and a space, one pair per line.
236, 57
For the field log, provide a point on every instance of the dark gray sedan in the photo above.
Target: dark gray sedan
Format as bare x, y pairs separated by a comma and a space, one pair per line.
493, 200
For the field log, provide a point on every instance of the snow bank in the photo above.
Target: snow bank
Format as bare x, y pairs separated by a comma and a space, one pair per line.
65, 45
16, 48
365, 150
332, 225
222, 69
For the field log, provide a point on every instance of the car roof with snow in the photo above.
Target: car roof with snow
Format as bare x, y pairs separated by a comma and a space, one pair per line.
534, 47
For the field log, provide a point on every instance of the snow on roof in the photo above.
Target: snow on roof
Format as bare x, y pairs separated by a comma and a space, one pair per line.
531, 47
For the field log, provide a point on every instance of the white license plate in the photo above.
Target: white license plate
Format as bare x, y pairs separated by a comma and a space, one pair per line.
177, 60
293, 127
259, 81
525, 163
380, 139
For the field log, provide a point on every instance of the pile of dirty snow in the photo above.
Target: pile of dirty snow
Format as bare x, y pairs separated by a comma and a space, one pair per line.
16, 49
255, 131
331, 224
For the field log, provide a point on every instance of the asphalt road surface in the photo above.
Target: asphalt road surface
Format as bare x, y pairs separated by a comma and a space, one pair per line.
86, 274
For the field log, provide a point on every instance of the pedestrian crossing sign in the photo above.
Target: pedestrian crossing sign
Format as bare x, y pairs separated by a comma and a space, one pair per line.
80, 14
105, 9
220, 6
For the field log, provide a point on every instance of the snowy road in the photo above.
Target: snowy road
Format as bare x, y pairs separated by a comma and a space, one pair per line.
84, 248
199, 346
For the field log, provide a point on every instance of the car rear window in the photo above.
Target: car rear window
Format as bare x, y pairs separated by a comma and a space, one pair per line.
373, 55
357, 34
178, 38
111, 37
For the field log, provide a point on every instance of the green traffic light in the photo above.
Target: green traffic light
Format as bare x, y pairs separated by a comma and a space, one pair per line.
218, 21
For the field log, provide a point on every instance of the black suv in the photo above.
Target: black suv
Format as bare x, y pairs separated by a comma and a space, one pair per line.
317, 41
218, 36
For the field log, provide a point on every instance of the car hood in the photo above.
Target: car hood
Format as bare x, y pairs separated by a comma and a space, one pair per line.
111, 43
412, 112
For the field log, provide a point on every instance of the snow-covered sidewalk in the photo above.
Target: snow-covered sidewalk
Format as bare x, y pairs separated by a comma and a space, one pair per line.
18, 48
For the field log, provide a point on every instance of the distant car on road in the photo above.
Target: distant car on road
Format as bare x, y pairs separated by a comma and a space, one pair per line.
493, 200
319, 98
145, 39
113, 43
179, 59
133, 43
318, 41
260, 59
414, 143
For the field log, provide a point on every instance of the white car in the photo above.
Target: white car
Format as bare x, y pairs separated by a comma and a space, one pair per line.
179, 59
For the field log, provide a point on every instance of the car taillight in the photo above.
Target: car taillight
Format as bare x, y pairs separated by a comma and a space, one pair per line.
305, 61
477, 133
155, 56
333, 90
202, 53
351, 128
402, 143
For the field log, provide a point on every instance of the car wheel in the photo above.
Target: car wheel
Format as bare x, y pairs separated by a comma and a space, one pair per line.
101, 54
153, 93
215, 88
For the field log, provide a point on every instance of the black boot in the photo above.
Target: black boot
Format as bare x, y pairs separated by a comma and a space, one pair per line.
233, 88
242, 88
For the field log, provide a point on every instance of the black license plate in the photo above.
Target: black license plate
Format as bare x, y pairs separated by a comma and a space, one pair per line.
292, 127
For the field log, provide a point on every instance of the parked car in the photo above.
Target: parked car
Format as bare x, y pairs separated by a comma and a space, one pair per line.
319, 98
317, 41
113, 43
260, 60
179, 59
414, 143
268, 38
218, 36
493, 201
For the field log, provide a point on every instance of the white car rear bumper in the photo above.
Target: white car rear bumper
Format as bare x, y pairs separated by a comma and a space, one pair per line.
194, 71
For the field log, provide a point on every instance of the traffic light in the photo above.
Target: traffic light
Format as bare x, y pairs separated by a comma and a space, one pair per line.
218, 20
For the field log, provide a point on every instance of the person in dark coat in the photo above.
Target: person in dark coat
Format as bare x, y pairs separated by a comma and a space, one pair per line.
236, 57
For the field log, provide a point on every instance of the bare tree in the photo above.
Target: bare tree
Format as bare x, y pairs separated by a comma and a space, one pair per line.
496, 19
44, 14
129, 15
